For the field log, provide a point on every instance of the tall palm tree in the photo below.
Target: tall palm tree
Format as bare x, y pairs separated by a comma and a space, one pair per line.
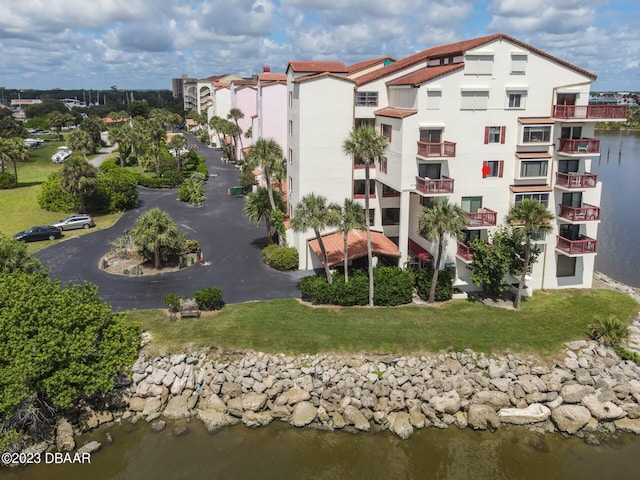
78, 178
155, 230
351, 217
258, 208
313, 212
177, 143
366, 143
443, 218
120, 134
56, 121
533, 217
266, 154
236, 114
216, 124
12, 150
80, 140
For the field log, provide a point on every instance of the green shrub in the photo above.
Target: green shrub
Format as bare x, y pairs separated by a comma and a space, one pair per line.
209, 298
392, 286
173, 178
108, 165
283, 258
151, 182
609, 330
53, 198
202, 168
116, 191
625, 354
316, 290
172, 302
444, 287
7, 180
356, 292
268, 250
191, 245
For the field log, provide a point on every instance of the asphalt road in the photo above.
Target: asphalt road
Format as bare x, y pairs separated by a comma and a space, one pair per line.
231, 246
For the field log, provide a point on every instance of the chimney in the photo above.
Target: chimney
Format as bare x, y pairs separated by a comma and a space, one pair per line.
266, 69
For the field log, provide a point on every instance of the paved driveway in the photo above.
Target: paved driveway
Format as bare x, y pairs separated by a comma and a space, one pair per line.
229, 242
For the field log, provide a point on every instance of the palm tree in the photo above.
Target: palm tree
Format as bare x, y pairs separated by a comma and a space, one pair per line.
351, 217
12, 150
258, 208
80, 140
14, 257
216, 124
236, 114
121, 134
78, 178
443, 218
177, 143
154, 231
313, 212
56, 121
533, 217
365, 143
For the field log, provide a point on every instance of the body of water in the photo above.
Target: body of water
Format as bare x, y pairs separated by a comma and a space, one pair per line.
619, 170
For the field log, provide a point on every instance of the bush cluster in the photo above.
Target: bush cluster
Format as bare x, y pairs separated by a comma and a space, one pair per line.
53, 198
152, 182
7, 180
209, 298
444, 286
280, 258
116, 191
392, 286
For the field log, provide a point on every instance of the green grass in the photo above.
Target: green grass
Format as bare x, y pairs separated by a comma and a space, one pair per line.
19, 207
541, 326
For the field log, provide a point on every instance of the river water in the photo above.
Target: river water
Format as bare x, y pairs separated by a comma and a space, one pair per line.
283, 452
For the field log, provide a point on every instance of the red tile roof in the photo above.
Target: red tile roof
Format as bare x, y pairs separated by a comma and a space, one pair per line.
321, 75
394, 112
425, 74
317, 67
272, 77
356, 245
244, 81
363, 65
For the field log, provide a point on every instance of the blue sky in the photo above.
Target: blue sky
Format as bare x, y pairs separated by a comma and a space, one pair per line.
136, 44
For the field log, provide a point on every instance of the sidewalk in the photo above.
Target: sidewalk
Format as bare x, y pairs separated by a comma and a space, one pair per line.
102, 155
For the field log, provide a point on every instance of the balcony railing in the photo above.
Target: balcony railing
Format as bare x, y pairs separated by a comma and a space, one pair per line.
482, 218
444, 149
434, 187
579, 145
605, 112
576, 180
464, 251
580, 214
577, 247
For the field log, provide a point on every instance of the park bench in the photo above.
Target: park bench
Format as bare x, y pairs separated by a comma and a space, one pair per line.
189, 308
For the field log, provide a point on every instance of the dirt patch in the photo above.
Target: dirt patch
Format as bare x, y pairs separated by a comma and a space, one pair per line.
117, 265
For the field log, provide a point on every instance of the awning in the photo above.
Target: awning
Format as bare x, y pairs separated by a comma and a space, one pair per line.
356, 245
530, 188
531, 155
420, 252
535, 121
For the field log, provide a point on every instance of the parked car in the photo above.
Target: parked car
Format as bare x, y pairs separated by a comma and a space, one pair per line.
40, 232
75, 221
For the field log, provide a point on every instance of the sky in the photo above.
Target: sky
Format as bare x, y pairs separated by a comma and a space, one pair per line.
143, 44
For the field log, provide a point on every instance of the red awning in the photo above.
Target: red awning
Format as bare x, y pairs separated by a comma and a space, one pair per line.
356, 245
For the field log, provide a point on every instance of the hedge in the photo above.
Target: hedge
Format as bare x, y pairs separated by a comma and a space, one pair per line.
444, 287
281, 258
209, 298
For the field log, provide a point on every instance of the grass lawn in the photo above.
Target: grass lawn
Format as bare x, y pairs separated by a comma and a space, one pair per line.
19, 207
540, 327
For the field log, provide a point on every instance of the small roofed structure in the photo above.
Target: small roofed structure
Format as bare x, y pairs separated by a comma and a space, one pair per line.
381, 245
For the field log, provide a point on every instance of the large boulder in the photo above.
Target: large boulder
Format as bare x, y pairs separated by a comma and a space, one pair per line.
256, 419
214, 420
602, 410
574, 392
296, 395
355, 417
400, 424
64, 436
534, 413
448, 402
570, 418
254, 401
303, 414
482, 416
494, 399
628, 425
177, 408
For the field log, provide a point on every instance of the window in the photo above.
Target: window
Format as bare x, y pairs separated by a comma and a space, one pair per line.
366, 99
290, 127
431, 136
478, 64
372, 216
518, 63
359, 188
383, 164
492, 168
565, 266
290, 99
537, 133
474, 100
290, 185
494, 134
389, 192
516, 100
569, 165
471, 204
533, 168
542, 198
390, 216
433, 99
429, 170
574, 133
385, 130
290, 156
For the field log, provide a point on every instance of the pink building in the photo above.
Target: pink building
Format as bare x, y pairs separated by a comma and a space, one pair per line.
243, 97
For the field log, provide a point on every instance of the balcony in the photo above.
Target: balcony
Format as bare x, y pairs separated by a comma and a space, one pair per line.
576, 180
585, 213
482, 218
464, 252
444, 149
579, 146
427, 186
581, 246
593, 112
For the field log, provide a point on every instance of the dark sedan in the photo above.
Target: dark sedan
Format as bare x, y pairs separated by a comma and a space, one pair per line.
40, 232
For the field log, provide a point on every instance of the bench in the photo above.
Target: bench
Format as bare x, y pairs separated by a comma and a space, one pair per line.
189, 308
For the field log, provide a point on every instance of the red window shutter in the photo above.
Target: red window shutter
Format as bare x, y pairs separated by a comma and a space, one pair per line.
485, 168
500, 167
503, 131
486, 134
